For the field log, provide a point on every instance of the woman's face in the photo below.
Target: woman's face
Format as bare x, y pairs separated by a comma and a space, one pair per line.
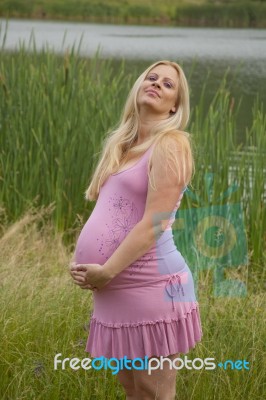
159, 90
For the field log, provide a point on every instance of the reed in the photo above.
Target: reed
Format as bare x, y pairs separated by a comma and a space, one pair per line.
55, 112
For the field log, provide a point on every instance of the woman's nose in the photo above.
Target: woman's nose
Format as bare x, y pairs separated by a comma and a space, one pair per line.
156, 84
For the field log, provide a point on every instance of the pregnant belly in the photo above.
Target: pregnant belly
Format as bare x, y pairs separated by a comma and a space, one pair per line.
96, 242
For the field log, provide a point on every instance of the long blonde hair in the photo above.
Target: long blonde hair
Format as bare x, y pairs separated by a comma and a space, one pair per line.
117, 144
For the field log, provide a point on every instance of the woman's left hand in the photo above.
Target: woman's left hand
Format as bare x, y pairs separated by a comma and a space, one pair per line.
89, 276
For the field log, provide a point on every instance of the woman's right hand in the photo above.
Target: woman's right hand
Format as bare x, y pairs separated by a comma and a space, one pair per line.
77, 278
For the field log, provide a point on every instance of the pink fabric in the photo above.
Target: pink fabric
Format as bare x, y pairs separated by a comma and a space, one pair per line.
150, 308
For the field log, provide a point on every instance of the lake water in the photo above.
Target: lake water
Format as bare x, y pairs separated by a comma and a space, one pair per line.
201, 51
142, 41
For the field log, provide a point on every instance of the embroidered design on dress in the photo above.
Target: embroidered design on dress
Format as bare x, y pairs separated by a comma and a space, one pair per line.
136, 267
124, 216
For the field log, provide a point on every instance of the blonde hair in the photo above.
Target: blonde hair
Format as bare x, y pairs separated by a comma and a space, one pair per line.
118, 142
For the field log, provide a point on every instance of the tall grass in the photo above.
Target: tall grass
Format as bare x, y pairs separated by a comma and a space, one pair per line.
43, 313
233, 161
55, 111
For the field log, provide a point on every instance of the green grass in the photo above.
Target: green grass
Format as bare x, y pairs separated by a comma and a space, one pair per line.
43, 313
180, 12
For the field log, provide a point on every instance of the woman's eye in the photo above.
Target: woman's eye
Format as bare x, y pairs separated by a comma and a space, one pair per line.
168, 84
151, 78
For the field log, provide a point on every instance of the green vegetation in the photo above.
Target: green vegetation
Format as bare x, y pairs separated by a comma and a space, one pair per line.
43, 313
55, 111
242, 14
53, 115
222, 13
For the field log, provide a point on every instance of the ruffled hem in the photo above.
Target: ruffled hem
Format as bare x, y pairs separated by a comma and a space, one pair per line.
149, 338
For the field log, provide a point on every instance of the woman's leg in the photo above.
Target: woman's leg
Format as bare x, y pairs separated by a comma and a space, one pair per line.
126, 378
159, 385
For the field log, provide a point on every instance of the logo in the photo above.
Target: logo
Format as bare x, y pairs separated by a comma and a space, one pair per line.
211, 236
149, 364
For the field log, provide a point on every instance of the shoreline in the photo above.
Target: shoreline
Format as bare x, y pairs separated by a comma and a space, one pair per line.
236, 16
132, 22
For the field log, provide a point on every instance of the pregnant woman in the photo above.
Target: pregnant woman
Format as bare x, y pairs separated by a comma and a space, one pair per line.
143, 290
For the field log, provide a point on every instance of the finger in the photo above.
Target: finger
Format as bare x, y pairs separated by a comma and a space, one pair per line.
78, 267
79, 280
77, 277
81, 268
88, 287
78, 274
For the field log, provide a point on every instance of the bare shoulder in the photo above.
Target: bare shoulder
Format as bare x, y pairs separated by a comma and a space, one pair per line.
167, 149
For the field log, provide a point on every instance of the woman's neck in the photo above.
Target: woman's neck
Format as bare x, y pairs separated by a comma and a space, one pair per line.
144, 132
147, 122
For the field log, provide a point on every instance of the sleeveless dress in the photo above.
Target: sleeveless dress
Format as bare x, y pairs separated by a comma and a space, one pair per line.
149, 308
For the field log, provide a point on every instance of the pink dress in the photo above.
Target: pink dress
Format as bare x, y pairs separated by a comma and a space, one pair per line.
150, 308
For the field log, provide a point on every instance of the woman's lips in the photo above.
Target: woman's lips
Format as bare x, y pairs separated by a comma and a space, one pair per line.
153, 92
